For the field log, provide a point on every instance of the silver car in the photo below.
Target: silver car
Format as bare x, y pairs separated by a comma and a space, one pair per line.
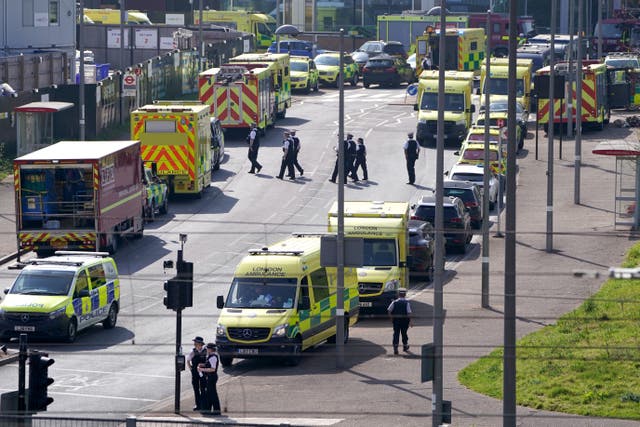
475, 174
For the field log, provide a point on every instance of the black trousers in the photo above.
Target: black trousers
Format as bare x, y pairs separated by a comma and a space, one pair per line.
400, 326
199, 385
296, 164
411, 169
286, 163
252, 155
361, 163
212, 401
347, 169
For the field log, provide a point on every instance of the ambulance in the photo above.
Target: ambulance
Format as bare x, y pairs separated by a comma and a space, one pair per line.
465, 49
279, 63
262, 26
458, 105
383, 226
500, 80
57, 296
176, 136
240, 95
112, 16
595, 106
282, 302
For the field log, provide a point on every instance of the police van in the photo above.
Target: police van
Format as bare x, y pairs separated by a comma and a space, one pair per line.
282, 301
61, 295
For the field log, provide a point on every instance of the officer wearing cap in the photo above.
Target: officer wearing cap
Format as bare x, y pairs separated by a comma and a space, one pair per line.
210, 371
411, 154
346, 158
400, 313
287, 157
254, 144
197, 356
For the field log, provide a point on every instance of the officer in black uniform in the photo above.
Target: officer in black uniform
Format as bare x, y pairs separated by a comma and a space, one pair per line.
361, 160
400, 312
210, 371
287, 157
296, 150
197, 356
254, 145
350, 158
411, 154
347, 169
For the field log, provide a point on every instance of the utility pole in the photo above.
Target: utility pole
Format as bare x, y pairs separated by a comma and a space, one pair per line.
552, 98
486, 174
569, 78
578, 145
81, 72
340, 237
123, 19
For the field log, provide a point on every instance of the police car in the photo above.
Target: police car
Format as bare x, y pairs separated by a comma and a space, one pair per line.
61, 295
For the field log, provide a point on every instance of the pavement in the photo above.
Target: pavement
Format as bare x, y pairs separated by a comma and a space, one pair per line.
377, 388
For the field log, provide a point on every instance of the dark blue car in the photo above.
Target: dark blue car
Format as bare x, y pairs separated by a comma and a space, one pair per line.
294, 47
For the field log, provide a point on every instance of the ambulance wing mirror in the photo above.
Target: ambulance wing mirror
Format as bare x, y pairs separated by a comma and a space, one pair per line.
473, 108
304, 303
415, 107
456, 153
84, 293
6, 291
409, 261
220, 301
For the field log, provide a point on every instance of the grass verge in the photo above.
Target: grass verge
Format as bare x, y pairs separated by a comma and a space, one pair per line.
585, 364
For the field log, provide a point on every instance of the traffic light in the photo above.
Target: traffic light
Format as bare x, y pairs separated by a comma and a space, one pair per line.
39, 381
185, 277
172, 300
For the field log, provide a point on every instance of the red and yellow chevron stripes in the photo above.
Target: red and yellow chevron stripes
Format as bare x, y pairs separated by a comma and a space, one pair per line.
96, 178
75, 240
236, 104
589, 105
171, 159
16, 179
205, 91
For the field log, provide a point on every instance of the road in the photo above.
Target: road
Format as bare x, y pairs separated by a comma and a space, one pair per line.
130, 369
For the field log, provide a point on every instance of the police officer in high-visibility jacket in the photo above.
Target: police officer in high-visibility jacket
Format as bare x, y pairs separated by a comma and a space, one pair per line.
210, 370
411, 154
197, 356
400, 312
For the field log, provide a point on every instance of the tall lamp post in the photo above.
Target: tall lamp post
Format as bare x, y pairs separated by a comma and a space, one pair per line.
291, 30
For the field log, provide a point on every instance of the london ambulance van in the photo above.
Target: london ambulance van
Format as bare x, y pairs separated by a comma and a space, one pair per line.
60, 295
282, 302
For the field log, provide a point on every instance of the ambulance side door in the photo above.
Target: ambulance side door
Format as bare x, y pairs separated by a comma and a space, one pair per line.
98, 290
323, 324
82, 299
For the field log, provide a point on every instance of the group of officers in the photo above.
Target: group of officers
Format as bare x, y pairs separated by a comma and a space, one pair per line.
355, 157
290, 149
203, 363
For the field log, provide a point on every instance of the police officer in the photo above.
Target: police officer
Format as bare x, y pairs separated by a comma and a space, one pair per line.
361, 160
400, 313
210, 371
287, 157
296, 150
347, 167
196, 357
254, 144
350, 158
411, 154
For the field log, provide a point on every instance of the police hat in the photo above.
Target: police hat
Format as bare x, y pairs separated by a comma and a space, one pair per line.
211, 346
349, 135
292, 131
198, 340
402, 291
410, 134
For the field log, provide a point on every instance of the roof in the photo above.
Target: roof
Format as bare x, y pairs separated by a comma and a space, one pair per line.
431, 200
618, 148
73, 150
372, 209
44, 107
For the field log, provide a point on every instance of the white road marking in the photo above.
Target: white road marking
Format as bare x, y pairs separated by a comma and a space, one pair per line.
254, 421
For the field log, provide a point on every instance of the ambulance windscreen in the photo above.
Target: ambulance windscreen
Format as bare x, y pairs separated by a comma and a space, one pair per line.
41, 282
262, 293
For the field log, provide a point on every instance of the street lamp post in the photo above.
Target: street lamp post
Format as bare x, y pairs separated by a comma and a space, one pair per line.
291, 30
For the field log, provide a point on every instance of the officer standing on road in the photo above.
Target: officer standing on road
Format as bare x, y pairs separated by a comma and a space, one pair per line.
197, 356
210, 371
350, 158
361, 160
345, 146
287, 157
411, 154
254, 145
296, 150
400, 313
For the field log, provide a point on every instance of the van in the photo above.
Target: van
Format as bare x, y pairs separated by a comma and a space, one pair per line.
282, 302
58, 296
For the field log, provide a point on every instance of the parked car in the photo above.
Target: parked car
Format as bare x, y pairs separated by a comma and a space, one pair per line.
475, 174
473, 154
421, 247
386, 70
499, 119
329, 65
470, 195
456, 220
522, 115
304, 74
374, 48
294, 47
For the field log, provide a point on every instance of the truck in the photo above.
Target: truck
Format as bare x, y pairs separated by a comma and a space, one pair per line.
384, 227
595, 91
240, 96
176, 136
282, 301
620, 32
262, 26
279, 63
79, 195
465, 49
500, 80
407, 26
459, 106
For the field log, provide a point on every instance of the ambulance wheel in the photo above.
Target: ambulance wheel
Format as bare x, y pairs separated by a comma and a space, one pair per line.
226, 361
366, 85
354, 80
112, 318
72, 331
332, 340
316, 87
296, 349
307, 89
165, 206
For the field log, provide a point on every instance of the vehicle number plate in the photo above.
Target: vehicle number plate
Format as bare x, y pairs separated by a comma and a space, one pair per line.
59, 244
24, 328
247, 351
366, 304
